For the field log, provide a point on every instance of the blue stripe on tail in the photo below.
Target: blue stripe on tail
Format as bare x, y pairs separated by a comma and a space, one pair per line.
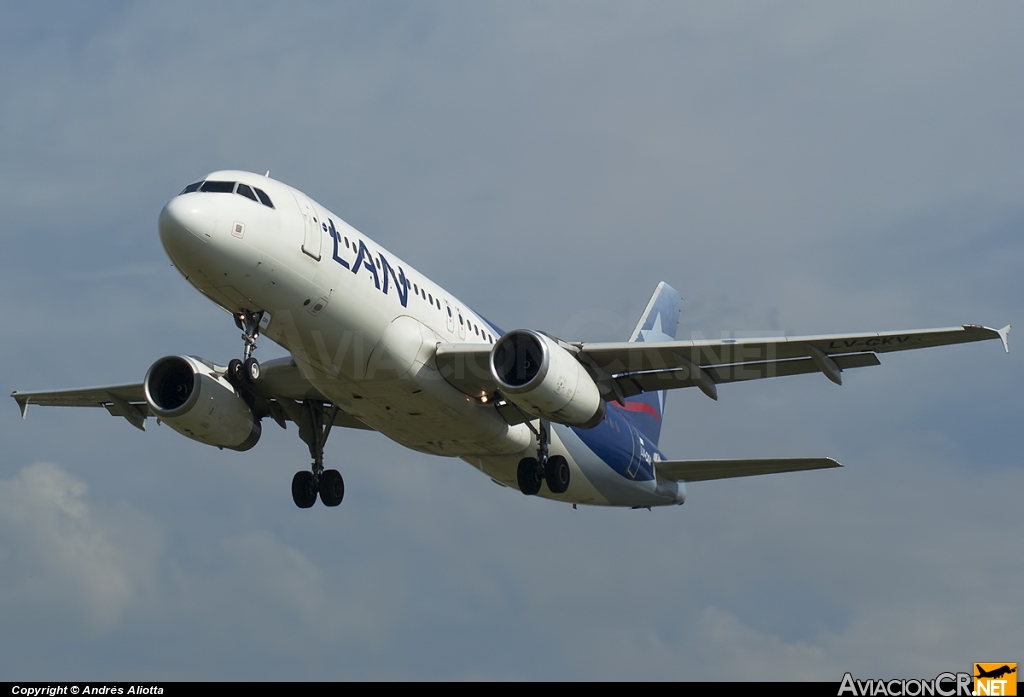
658, 323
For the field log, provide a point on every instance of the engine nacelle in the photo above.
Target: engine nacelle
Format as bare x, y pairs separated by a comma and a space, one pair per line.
192, 397
544, 379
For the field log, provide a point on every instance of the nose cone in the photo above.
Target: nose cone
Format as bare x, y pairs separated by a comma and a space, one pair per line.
187, 224
190, 214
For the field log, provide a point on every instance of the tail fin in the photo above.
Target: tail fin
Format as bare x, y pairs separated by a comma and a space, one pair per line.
658, 323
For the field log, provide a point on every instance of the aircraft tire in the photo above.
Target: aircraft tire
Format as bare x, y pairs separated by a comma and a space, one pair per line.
251, 370
528, 476
332, 487
303, 491
235, 372
556, 472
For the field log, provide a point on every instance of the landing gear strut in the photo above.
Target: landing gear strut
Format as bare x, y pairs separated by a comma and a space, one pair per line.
315, 420
249, 369
554, 469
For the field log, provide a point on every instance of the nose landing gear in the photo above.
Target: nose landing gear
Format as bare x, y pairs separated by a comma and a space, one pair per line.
249, 369
554, 469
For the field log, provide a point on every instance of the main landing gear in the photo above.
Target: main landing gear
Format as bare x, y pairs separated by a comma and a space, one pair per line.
315, 420
554, 469
248, 370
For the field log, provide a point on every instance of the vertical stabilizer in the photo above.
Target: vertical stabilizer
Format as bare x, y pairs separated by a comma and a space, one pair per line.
658, 323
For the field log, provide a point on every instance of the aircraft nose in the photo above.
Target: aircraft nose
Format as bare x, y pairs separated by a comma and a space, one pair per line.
189, 216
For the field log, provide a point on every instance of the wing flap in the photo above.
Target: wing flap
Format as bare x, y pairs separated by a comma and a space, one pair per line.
704, 470
635, 383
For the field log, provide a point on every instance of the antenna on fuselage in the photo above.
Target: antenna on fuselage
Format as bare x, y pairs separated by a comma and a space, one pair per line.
267, 174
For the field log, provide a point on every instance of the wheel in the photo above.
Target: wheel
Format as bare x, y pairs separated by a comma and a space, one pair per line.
303, 490
528, 475
332, 487
556, 472
251, 370
235, 371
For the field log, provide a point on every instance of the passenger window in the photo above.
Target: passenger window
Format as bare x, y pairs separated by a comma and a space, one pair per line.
218, 187
264, 199
244, 190
431, 298
190, 188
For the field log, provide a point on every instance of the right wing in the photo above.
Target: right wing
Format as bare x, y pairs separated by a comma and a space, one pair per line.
280, 389
128, 401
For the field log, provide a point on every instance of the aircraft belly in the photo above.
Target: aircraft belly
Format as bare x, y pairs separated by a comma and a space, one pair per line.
414, 417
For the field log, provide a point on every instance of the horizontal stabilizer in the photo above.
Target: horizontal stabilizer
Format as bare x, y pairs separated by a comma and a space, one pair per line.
702, 470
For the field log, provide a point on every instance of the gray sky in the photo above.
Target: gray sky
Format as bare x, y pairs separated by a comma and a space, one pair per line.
798, 168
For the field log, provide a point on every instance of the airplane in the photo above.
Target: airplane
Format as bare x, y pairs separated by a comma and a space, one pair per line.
374, 344
995, 673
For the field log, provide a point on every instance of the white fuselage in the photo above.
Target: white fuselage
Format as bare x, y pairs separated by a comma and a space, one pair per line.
362, 326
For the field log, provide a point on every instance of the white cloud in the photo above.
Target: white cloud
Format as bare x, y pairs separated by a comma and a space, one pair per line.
280, 600
61, 557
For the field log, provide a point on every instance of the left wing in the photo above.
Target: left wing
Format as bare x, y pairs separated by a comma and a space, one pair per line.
626, 369
632, 368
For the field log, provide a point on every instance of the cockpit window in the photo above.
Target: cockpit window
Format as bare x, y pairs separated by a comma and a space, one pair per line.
250, 192
244, 190
218, 187
264, 199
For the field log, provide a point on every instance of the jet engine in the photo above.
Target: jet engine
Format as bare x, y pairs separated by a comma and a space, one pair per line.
195, 399
542, 378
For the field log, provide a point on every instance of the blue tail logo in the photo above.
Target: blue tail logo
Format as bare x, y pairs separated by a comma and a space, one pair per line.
658, 323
